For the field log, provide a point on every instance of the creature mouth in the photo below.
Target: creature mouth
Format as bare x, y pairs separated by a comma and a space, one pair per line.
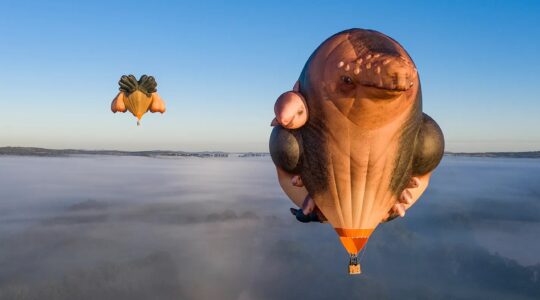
382, 72
393, 89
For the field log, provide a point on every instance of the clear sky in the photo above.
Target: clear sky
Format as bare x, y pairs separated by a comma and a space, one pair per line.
220, 66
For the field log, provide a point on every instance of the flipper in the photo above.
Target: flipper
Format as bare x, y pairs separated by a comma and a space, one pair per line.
301, 217
428, 153
286, 151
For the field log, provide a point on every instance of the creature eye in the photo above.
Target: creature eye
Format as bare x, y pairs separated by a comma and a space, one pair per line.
347, 79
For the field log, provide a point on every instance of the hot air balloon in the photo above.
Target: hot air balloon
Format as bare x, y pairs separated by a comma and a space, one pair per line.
138, 96
351, 135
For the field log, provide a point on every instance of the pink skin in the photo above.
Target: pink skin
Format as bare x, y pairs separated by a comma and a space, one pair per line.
292, 113
406, 199
291, 110
410, 195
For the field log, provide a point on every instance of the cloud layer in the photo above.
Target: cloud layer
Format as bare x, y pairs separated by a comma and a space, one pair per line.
142, 228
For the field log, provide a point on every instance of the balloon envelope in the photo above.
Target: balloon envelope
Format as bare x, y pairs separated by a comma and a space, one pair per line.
138, 96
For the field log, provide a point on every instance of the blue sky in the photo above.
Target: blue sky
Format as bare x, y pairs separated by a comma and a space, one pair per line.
220, 66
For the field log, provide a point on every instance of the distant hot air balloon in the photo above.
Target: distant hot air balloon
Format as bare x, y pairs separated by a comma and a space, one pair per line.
138, 96
352, 132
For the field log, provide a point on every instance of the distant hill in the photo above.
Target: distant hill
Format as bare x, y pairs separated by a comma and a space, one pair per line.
528, 154
254, 154
33, 151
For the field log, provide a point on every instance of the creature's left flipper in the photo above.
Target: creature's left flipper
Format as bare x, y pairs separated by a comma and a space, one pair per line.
286, 142
428, 153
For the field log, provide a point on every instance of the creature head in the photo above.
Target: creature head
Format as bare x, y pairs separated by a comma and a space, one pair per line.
365, 74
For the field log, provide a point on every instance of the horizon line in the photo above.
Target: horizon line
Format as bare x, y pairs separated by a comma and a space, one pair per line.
220, 151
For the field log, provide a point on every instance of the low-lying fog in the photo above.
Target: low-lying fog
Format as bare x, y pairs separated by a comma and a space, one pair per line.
103, 227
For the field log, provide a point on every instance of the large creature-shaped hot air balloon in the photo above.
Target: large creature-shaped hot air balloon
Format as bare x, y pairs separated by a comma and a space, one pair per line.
351, 136
138, 96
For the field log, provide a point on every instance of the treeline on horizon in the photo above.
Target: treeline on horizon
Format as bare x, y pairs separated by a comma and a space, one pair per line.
36, 151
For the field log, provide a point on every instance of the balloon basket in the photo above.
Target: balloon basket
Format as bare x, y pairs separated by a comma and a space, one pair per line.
354, 265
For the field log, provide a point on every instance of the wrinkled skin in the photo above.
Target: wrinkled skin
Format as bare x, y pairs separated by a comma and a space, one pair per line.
356, 115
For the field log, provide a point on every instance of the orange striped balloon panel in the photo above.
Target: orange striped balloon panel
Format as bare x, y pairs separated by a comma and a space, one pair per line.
353, 239
360, 165
138, 103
